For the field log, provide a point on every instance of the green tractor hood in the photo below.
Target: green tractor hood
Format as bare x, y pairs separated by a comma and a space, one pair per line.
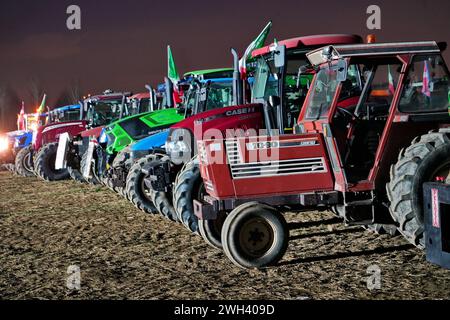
123, 132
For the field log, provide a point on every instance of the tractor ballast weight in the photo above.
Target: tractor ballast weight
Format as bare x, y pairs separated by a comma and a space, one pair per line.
370, 133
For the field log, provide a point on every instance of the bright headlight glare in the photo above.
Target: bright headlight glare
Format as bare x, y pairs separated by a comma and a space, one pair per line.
4, 143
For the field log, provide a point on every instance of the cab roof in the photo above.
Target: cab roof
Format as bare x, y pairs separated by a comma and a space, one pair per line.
108, 96
311, 41
208, 73
139, 96
335, 52
66, 108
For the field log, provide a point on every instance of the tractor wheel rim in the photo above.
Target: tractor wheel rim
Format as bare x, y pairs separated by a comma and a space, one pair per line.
145, 190
256, 237
25, 162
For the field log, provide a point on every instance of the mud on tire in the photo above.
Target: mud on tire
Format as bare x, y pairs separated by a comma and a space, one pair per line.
427, 155
21, 163
44, 164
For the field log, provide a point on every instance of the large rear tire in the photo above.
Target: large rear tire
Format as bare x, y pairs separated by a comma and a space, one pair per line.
44, 164
255, 235
23, 161
426, 158
137, 191
188, 186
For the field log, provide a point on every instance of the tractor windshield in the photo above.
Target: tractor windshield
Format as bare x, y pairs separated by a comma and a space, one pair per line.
71, 114
294, 87
103, 112
220, 94
322, 93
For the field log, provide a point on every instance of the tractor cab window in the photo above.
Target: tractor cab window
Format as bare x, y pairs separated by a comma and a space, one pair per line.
286, 84
322, 94
101, 113
220, 94
144, 105
427, 86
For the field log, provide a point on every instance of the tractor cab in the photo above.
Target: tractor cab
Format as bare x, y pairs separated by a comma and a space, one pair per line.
206, 95
103, 109
138, 103
369, 100
282, 79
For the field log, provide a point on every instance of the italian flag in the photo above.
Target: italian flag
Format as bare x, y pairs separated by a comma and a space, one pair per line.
41, 108
255, 44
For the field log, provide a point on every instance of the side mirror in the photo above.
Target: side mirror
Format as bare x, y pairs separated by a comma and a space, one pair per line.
341, 71
280, 56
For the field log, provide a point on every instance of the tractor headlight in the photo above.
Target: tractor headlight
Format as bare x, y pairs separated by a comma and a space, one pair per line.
179, 146
4, 143
103, 137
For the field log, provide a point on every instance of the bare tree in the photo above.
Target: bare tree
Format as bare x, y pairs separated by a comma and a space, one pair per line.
74, 91
35, 91
3, 106
64, 99
9, 108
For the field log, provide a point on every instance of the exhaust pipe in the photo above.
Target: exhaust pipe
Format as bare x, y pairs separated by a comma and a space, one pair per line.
152, 97
237, 83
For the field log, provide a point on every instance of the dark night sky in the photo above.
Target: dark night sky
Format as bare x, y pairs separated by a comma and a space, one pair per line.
122, 43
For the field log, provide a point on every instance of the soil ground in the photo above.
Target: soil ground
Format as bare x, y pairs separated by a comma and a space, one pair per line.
125, 254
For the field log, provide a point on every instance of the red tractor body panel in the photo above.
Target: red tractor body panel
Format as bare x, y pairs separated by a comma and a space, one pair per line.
246, 166
208, 125
50, 133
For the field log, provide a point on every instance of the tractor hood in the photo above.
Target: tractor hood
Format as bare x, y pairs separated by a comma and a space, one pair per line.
154, 141
223, 118
94, 132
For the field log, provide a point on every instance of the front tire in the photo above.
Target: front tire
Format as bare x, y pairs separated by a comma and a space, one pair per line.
211, 230
255, 235
136, 190
188, 186
23, 161
44, 164
427, 157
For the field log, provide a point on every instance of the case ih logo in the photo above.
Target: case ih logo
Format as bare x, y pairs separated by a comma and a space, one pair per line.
239, 111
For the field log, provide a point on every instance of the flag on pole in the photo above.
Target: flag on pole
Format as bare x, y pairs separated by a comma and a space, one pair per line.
21, 118
255, 44
172, 72
391, 81
426, 80
41, 108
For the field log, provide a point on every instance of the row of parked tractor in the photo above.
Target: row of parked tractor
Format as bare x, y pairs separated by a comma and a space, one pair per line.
325, 122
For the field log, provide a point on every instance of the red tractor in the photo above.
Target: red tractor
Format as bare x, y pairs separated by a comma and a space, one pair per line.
374, 127
174, 179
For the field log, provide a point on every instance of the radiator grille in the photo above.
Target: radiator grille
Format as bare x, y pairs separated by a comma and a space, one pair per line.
240, 170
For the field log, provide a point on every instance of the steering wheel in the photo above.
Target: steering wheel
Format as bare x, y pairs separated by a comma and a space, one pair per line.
348, 113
